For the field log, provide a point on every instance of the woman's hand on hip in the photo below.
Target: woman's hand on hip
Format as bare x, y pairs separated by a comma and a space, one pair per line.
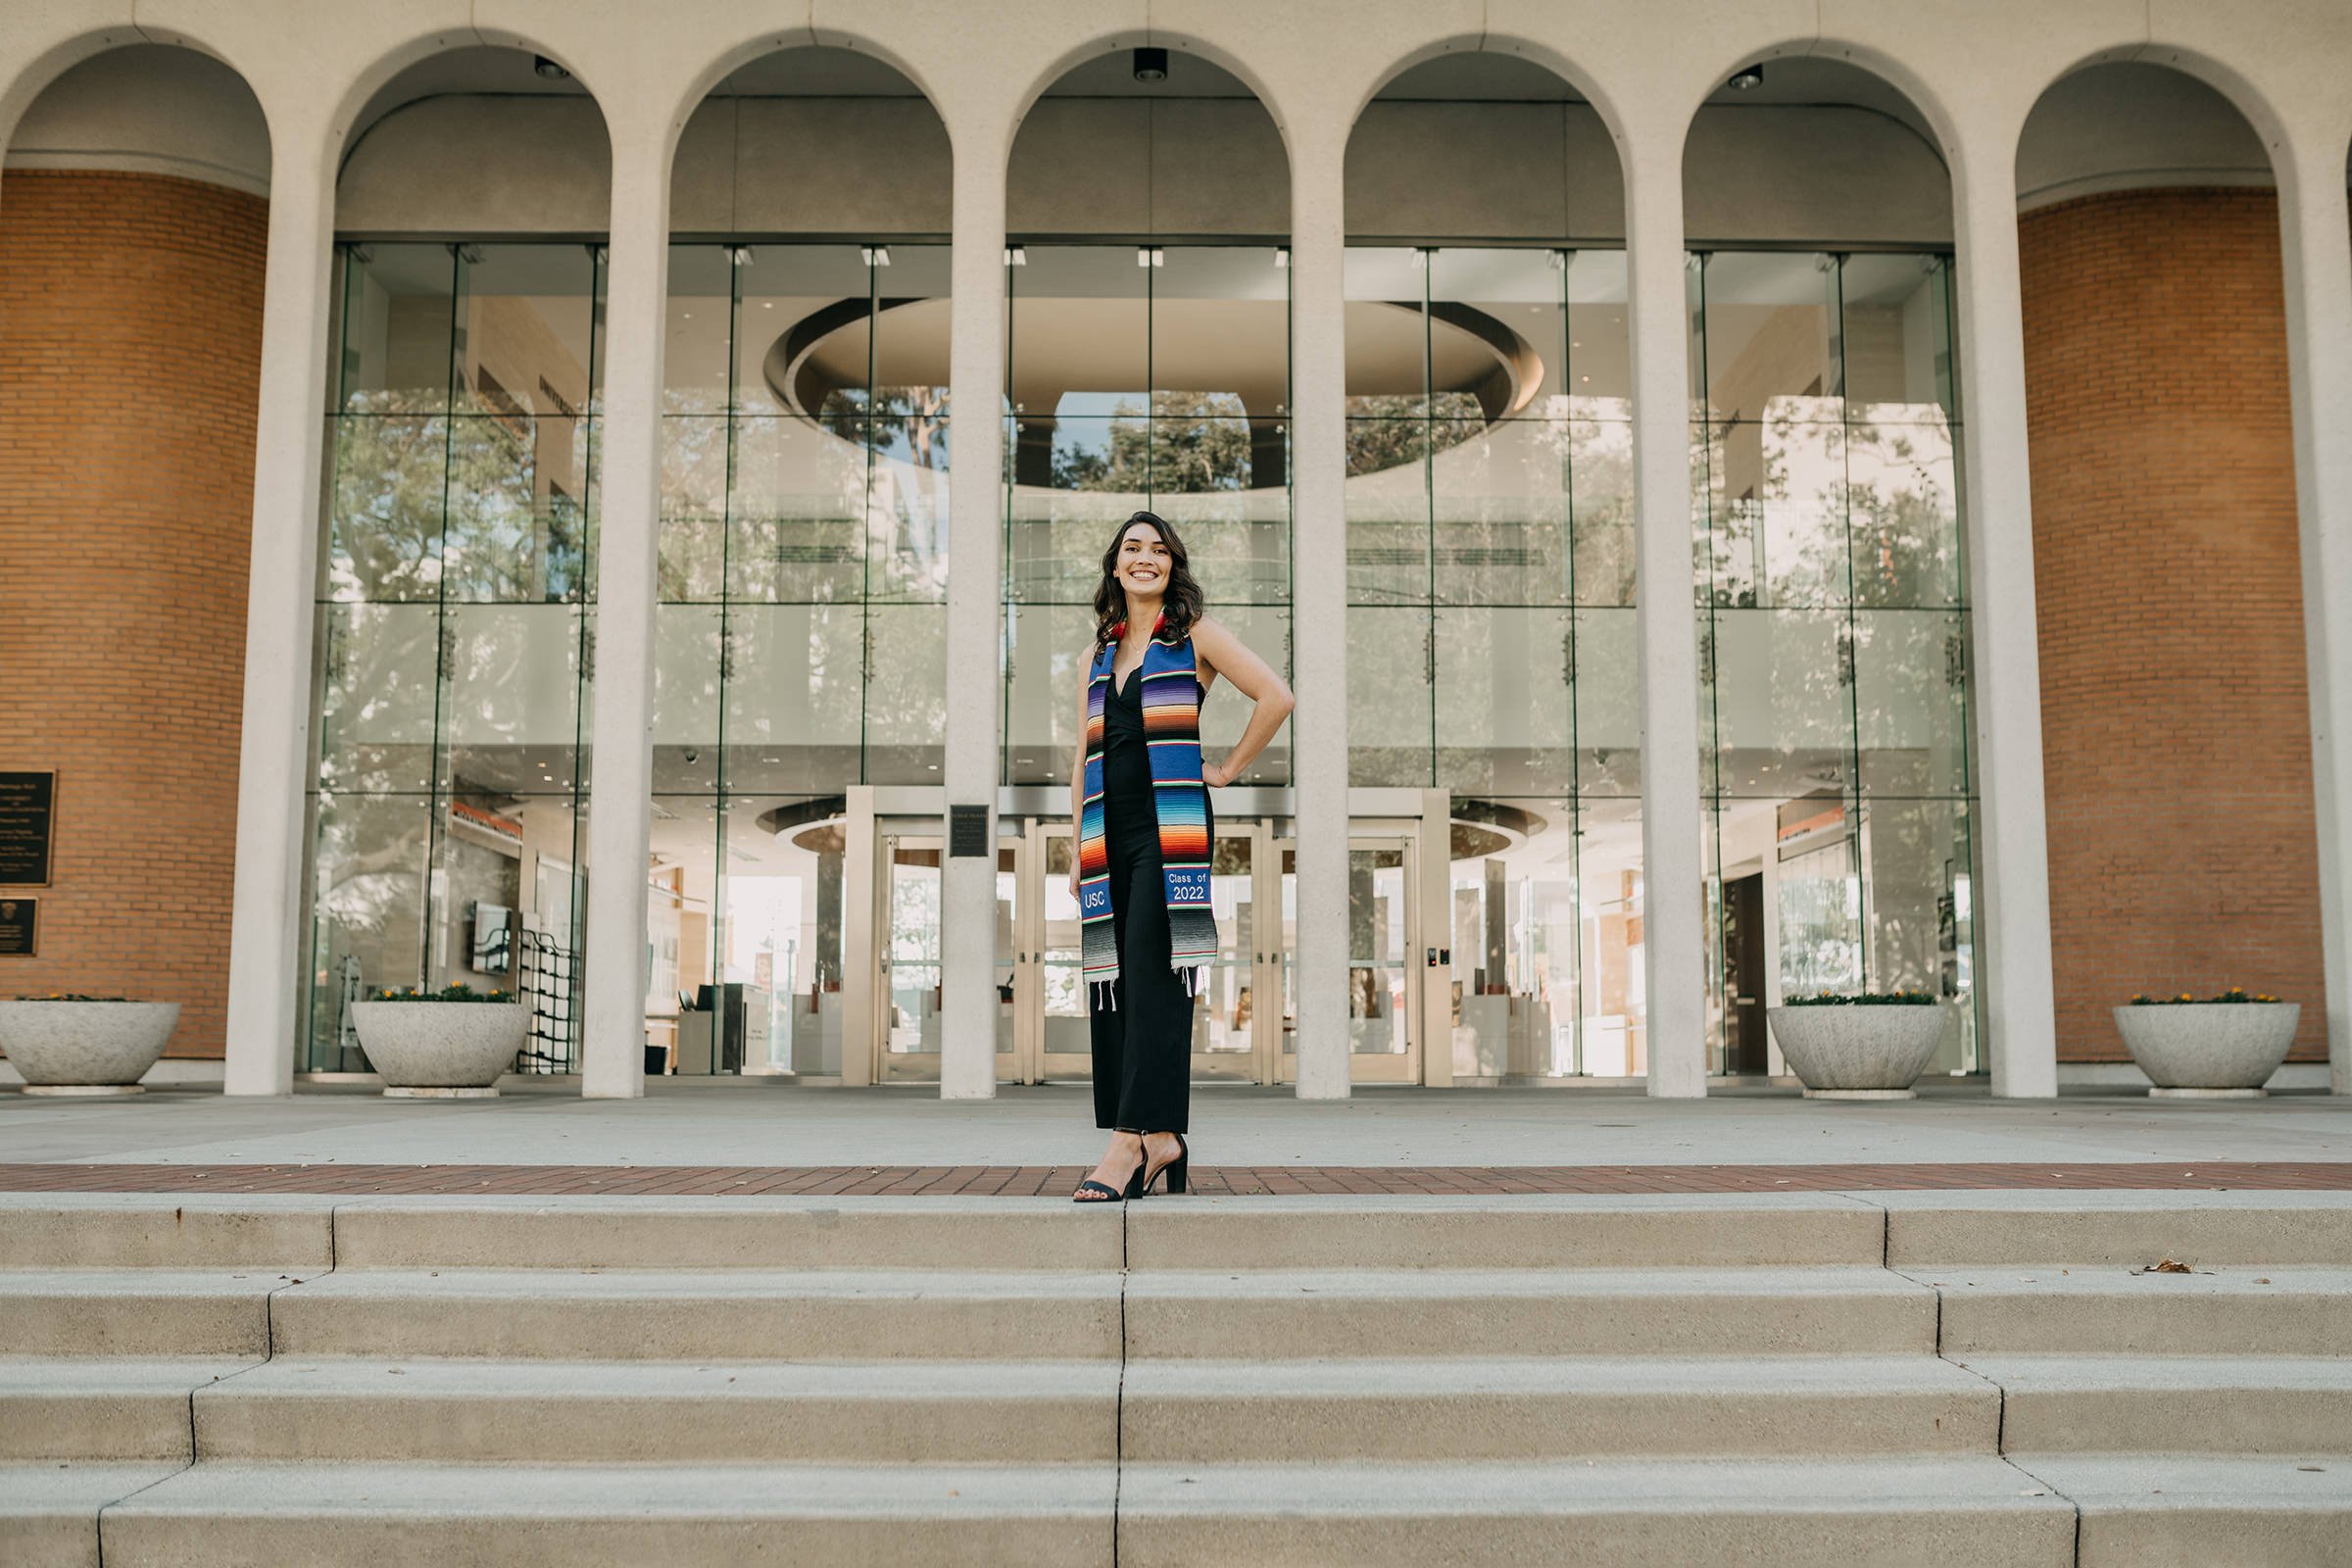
1073, 882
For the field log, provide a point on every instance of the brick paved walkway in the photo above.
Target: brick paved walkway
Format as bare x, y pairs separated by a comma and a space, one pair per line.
861, 1181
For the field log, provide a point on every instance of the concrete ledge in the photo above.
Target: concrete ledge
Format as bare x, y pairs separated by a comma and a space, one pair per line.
1423, 1312
2303, 1076
1954, 1230
2115, 1405
147, 1313
652, 1315
1511, 1231
944, 1233
134, 1231
529, 1516
49, 1512
2193, 1510
101, 1409
662, 1413
2245, 1309
1529, 1408
1828, 1512
172, 1072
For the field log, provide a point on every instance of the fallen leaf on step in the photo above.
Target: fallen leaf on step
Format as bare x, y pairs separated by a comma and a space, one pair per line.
2262, 1282
2167, 1266
2315, 1469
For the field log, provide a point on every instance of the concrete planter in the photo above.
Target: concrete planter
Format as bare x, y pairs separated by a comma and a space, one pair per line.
1863, 1051
2209, 1049
85, 1048
440, 1049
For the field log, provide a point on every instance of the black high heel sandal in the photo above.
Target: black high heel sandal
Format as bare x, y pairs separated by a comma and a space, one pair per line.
1091, 1190
1174, 1169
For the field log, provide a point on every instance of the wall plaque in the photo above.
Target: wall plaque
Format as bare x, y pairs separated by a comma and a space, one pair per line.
28, 827
967, 830
20, 936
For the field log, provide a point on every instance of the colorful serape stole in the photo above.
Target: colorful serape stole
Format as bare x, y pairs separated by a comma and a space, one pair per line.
1171, 703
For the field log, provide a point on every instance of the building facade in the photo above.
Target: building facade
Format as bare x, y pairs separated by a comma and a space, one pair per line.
586, 442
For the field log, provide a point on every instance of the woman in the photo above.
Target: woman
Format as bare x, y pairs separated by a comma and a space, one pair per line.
1139, 793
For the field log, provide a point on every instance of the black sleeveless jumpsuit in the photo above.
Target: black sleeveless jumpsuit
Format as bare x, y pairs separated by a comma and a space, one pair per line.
1142, 1046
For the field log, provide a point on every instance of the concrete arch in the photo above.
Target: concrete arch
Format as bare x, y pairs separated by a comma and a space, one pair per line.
1216, 54
734, 57
1531, 50
42, 71
1888, 69
2251, 103
414, 50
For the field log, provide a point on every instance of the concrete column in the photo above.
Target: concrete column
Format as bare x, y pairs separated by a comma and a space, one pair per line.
264, 955
629, 454
2011, 893
968, 884
2313, 222
1672, 865
1319, 604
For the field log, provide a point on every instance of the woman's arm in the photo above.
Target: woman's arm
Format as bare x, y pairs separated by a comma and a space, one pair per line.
1226, 655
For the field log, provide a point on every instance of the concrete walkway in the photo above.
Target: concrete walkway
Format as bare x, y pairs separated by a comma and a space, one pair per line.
768, 1123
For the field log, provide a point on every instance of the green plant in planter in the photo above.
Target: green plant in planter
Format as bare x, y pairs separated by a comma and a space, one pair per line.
2234, 993
74, 996
1864, 998
461, 992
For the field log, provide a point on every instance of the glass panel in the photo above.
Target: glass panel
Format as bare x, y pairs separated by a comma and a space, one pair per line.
513, 508
1500, 508
397, 321
911, 944
378, 697
801, 330
1784, 709
525, 320
1378, 1018
687, 639
1902, 514
1917, 927
795, 684
1045, 672
1612, 1027
1069, 1030
1608, 703
1777, 526
1498, 330
911, 332
1388, 336
1897, 330
1081, 336
906, 694
1600, 355
1600, 468
695, 338
512, 678
1502, 709
1387, 497
1220, 331
384, 529
1910, 699
906, 510
694, 500
1225, 1024
369, 872
1772, 336
793, 514
1236, 542
1389, 716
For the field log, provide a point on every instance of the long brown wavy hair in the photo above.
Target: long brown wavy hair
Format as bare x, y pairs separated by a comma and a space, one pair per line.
1180, 606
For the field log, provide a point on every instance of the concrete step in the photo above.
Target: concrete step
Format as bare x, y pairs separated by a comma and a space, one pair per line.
1504, 1233
2117, 1405
651, 1412
727, 1233
136, 1312
1953, 1230
1939, 1511
2106, 1310
136, 1230
1515, 1408
1399, 1313
702, 1316
575, 1516
102, 1409
2192, 1510
49, 1512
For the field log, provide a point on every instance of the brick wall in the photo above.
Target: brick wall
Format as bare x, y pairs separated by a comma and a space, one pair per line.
2175, 737
130, 328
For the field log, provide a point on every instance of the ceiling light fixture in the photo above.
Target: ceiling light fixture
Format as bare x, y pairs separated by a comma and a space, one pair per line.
1747, 81
1017, 256
1151, 65
875, 255
548, 68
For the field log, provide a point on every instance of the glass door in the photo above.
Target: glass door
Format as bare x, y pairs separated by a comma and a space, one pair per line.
1229, 1028
907, 962
1384, 988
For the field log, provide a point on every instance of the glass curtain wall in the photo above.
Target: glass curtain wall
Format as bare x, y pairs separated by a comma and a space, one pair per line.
454, 594
1834, 637
801, 631
1492, 649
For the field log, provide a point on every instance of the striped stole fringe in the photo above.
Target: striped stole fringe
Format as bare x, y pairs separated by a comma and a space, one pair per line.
1171, 703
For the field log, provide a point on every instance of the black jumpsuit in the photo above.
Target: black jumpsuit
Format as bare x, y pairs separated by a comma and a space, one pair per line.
1142, 1046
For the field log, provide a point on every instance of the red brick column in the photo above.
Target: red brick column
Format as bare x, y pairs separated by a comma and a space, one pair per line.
2176, 733
131, 331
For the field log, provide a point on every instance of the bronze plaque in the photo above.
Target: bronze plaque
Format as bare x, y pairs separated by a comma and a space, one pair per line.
19, 932
28, 828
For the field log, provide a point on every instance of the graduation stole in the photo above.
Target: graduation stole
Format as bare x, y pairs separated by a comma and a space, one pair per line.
1171, 702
